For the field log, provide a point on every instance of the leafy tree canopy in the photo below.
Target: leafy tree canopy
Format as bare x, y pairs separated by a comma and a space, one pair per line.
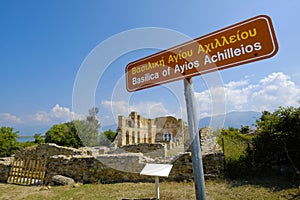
8, 141
92, 118
38, 139
278, 140
110, 135
77, 133
87, 132
64, 135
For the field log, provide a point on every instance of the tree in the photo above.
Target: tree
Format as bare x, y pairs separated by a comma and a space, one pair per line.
92, 118
245, 129
278, 140
76, 133
38, 139
86, 132
64, 135
8, 141
110, 135
235, 145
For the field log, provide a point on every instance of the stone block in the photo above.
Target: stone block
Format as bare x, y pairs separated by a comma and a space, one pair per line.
61, 180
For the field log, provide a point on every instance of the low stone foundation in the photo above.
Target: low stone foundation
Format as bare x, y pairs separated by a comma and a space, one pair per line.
44, 151
89, 169
213, 166
153, 150
108, 168
5, 164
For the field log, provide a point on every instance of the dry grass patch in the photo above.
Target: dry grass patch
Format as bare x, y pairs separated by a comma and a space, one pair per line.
269, 189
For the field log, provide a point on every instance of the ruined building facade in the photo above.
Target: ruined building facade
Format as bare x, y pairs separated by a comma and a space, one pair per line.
136, 129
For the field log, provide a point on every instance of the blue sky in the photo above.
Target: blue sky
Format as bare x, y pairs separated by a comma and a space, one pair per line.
44, 44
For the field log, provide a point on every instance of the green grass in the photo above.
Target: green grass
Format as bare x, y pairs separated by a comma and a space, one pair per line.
175, 151
262, 189
235, 151
235, 144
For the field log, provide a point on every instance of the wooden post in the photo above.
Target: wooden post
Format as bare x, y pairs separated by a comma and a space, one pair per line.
223, 148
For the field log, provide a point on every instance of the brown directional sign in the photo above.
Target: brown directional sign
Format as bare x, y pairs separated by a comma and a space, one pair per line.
248, 41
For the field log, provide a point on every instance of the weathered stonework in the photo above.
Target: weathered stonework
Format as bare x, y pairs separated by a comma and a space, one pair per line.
99, 164
154, 150
44, 151
5, 164
61, 180
209, 144
213, 165
126, 167
136, 129
105, 168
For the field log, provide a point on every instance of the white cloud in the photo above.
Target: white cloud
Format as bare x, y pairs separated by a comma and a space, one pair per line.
276, 89
57, 114
64, 113
7, 118
42, 116
146, 109
151, 109
211, 102
237, 95
235, 84
118, 107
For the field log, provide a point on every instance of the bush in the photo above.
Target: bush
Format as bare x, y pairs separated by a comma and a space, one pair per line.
63, 135
273, 151
236, 147
278, 141
8, 141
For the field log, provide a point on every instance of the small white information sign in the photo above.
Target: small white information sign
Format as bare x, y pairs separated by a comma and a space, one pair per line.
161, 170
157, 170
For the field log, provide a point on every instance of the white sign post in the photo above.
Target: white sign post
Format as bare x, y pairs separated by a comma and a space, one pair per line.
157, 170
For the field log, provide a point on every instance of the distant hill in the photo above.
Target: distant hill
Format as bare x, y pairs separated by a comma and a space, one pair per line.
232, 119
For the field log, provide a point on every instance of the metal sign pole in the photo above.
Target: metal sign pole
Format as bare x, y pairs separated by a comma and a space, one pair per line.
195, 140
157, 187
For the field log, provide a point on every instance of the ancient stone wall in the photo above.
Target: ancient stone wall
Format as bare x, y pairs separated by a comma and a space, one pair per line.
209, 144
44, 151
5, 164
93, 165
154, 150
136, 129
213, 166
90, 169
126, 167
208, 141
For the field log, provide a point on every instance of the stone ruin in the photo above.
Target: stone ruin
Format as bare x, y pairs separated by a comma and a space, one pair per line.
136, 129
125, 161
84, 166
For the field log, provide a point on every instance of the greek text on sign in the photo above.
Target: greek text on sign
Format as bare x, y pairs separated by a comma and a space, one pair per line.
244, 42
